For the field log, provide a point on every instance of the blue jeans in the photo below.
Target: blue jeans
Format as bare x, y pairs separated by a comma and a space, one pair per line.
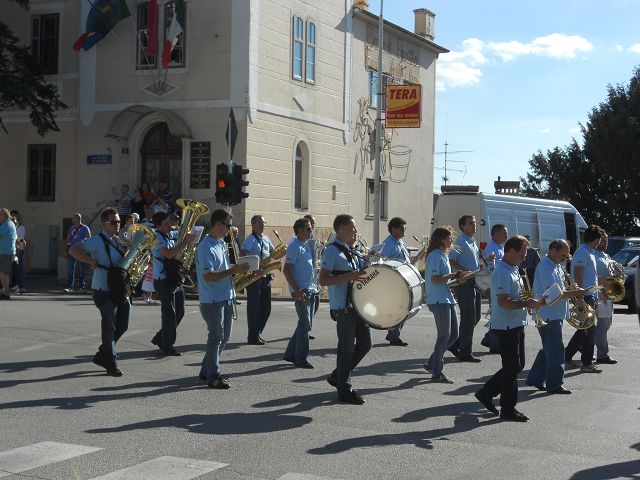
549, 363
583, 340
115, 321
447, 326
602, 344
171, 311
469, 301
219, 319
72, 266
354, 342
504, 381
258, 307
298, 347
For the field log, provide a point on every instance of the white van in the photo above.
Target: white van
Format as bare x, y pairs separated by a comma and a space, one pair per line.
540, 220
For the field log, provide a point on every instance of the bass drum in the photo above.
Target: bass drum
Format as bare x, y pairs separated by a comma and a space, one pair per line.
391, 293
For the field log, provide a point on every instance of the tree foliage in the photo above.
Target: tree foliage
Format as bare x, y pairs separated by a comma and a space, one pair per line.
601, 178
22, 85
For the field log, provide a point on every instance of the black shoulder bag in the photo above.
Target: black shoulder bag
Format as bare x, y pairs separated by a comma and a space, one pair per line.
354, 264
117, 277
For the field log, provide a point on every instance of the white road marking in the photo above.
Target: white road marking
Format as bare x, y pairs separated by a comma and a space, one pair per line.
169, 468
38, 455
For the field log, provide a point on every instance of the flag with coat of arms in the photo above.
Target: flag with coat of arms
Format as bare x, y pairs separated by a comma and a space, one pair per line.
103, 17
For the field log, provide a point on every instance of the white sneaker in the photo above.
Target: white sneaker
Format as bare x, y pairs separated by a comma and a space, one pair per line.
15, 288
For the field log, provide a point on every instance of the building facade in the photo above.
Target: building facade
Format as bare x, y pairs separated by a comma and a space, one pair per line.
299, 75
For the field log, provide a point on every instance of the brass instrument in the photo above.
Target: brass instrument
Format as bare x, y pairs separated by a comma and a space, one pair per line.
136, 260
191, 210
420, 260
526, 294
614, 286
369, 255
581, 315
267, 265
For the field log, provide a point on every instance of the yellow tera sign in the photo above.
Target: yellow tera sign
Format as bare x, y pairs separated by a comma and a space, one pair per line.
403, 106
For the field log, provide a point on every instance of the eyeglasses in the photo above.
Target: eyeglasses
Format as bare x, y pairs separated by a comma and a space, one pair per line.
115, 223
228, 225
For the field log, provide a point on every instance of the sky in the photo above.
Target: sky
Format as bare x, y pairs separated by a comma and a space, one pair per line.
520, 76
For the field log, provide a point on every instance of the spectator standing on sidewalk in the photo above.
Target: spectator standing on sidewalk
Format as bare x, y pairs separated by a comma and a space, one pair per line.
77, 233
8, 238
18, 267
123, 204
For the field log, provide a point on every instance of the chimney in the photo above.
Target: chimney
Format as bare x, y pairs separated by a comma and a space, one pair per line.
425, 23
361, 4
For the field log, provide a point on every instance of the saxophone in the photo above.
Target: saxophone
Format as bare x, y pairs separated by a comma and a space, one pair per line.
191, 210
526, 294
136, 260
581, 315
267, 265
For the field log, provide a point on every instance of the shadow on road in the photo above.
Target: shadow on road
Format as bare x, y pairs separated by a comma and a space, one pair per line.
630, 469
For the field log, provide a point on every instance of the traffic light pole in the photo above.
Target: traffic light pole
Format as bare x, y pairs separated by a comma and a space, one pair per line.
379, 133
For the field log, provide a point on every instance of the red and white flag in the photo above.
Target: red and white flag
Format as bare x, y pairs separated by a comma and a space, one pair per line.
175, 29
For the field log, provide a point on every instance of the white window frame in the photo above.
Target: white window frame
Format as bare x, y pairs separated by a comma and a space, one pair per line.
167, 23
297, 36
373, 94
384, 195
300, 174
310, 46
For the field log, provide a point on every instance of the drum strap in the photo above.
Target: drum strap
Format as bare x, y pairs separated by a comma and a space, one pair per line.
354, 264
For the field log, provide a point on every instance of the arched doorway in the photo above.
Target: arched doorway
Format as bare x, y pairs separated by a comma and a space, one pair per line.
162, 159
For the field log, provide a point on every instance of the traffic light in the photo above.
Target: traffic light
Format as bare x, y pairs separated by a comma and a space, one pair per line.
239, 194
225, 185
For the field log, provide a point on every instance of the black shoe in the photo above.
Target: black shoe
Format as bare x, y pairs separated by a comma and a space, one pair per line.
486, 401
4, 296
289, 359
351, 397
256, 342
312, 337
331, 380
202, 377
485, 343
398, 343
304, 365
607, 360
156, 340
539, 387
454, 352
172, 352
98, 359
427, 367
113, 370
561, 390
220, 383
513, 416
469, 358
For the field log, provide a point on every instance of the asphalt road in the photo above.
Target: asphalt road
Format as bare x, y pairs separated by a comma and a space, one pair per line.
63, 418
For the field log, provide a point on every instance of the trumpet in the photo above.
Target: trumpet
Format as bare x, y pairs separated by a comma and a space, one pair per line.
526, 294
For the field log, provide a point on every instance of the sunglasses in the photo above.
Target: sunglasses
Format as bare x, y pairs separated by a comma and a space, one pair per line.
113, 222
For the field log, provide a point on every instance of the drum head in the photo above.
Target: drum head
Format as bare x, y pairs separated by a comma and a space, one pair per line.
382, 299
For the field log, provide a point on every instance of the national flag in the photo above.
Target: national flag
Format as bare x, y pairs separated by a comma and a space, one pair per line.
152, 23
103, 17
175, 29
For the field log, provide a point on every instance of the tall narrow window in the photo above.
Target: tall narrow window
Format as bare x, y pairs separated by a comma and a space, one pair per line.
178, 51
44, 41
41, 173
298, 43
143, 59
301, 176
373, 88
383, 198
310, 70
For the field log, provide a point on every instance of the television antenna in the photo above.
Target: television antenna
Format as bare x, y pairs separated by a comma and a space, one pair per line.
446, 153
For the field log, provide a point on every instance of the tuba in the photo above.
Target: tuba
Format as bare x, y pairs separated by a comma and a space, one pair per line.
614, 286
581, 315
267, 265
136, 260
526, 294
191, 210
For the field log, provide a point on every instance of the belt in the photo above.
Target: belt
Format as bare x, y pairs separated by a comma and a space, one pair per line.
342, 311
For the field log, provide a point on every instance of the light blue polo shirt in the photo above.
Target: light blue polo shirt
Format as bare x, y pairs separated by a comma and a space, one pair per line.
505, 280
394, 249
548, 273
300, 255
213, 256
95, 247
8, 237
334, 259
585, 257
493, 247
158, 258
437, 264
467, 252
251, 245
602, 264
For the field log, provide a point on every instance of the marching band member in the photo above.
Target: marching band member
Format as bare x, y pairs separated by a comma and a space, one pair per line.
605, 306
393, 247
493, 252
508, 319
466, 256
258, 293
585, 274
313, 241
440, 299
548, 367
100, 252
215, 289
341, 265
299, 272
166, 282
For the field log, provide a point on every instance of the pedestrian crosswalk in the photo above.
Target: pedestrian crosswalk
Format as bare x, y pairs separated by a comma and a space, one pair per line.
22, 459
